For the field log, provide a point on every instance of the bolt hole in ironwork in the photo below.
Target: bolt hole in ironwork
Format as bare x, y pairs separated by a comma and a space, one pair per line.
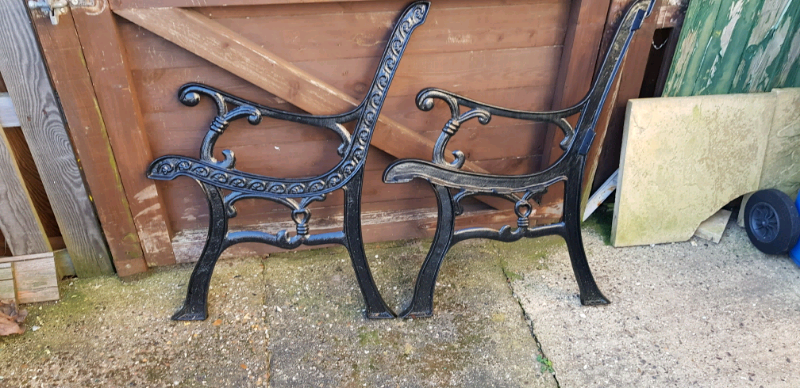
764, 222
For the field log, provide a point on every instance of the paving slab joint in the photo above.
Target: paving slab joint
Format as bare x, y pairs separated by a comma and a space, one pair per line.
510, 278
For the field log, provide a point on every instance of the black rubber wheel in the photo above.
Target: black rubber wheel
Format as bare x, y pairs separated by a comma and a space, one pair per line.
772, 221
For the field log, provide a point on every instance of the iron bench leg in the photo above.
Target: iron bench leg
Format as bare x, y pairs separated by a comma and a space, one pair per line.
422, 301
589, 292
376, 308
195, 305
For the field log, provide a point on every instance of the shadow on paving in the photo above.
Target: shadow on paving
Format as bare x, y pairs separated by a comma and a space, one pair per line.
478, 336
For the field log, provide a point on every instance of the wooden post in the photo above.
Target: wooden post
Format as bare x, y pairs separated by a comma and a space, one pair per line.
116, 97
62, 50
18, 219
581, 46
35, 103
626, 86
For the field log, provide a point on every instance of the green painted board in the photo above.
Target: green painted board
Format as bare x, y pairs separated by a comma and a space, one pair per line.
737, 46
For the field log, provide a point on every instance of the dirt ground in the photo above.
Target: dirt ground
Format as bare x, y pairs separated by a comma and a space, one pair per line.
506, 315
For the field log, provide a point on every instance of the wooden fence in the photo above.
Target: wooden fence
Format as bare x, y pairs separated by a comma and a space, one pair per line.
117, 67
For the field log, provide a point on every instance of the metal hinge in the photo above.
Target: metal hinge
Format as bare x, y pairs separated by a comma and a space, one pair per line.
55, 8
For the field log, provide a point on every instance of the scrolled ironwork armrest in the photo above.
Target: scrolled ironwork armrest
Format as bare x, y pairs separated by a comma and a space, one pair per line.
425, 103
484, 112
189, 94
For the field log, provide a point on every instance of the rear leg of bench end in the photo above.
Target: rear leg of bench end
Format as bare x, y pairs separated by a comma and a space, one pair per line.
375, 307
589, 292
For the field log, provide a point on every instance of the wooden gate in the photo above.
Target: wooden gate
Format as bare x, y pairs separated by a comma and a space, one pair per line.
117, 68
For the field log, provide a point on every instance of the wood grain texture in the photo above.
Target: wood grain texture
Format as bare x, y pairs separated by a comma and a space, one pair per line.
626, 86
578, 60
745, 47
237, 54
772, 56
361, 31
35, 280
26, 78
64, 56
19, 221
107, 64
33, 182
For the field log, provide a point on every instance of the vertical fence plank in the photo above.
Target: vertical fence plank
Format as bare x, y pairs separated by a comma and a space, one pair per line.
35, 102
18, 220
773, 49
107, 63
64, 56
737, 46
725, 47
581, 47
694, 38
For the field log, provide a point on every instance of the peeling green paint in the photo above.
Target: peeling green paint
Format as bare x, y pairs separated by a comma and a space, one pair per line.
737, 46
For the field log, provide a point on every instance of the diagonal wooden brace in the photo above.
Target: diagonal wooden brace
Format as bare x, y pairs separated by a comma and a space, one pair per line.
257, 65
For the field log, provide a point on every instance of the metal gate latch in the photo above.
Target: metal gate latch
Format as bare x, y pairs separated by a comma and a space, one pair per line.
55, 8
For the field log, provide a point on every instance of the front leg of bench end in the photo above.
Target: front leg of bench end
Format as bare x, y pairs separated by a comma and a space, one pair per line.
422, 302
195, 306
375, 307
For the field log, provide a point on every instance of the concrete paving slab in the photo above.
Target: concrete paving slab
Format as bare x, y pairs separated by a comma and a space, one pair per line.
683, 159
106, 333
782, 159
683, 314
318, 336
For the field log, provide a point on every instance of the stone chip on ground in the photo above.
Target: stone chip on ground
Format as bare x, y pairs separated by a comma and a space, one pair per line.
478, 336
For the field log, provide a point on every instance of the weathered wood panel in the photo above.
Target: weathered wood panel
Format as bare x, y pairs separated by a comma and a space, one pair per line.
508, 54
118, 4
33, 182
64, 56
242, 57
744, 47
32, 278
582, 43
26, 78
19, 221
107, 64
772, 56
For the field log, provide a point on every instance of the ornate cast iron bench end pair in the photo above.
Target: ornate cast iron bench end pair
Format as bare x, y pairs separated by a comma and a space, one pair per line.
214, 176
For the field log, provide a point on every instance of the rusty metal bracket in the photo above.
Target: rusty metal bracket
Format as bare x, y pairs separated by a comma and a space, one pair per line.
55, 8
